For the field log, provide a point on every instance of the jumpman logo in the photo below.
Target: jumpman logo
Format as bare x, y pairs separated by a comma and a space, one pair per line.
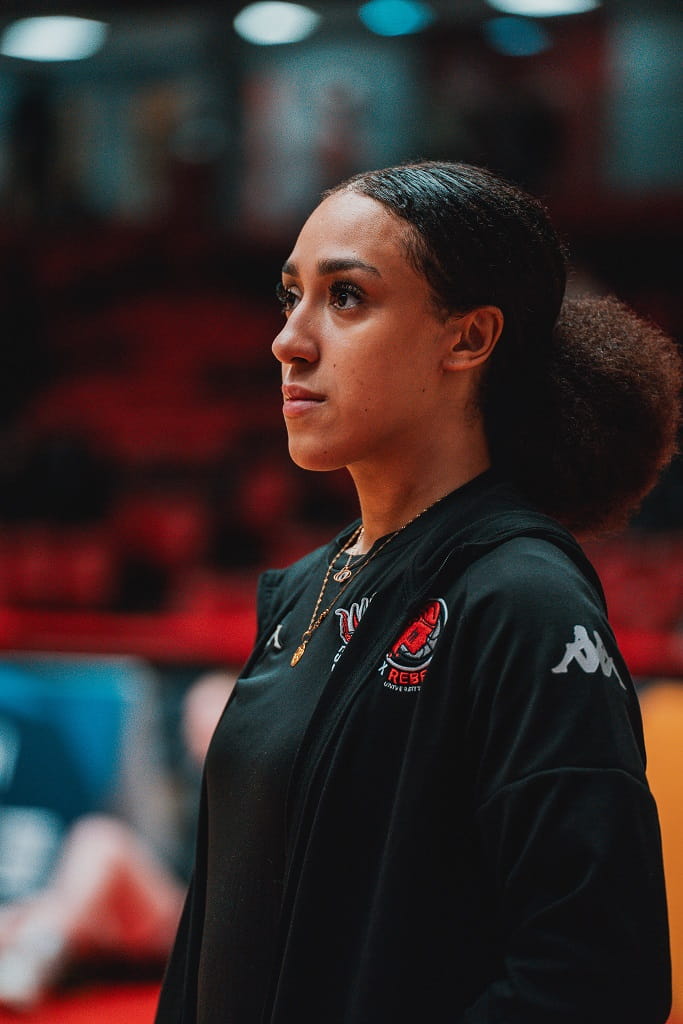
274, 640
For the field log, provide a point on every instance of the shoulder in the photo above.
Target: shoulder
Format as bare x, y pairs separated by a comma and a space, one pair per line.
533, 574
529, 604
540, 668
273, 580
277, 588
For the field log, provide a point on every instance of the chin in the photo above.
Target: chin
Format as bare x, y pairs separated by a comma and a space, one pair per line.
313, 458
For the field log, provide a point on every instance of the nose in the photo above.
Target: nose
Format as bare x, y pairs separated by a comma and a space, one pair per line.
296, 343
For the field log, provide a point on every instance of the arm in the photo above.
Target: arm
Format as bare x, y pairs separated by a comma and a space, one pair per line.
567, 827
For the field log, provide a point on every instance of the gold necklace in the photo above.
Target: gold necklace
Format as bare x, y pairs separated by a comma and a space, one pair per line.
344, 573
314, 623
317, 621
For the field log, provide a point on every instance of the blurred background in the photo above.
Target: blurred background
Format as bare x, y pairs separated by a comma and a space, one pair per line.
156, 161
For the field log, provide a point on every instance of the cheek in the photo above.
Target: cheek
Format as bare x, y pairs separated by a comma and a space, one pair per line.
367, 392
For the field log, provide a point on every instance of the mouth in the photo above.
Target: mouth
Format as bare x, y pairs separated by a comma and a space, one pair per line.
299, 400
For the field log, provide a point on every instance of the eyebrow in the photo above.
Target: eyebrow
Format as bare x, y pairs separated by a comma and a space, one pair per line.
332, 266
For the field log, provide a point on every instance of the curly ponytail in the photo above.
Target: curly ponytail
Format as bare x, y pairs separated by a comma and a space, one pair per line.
595, 427
581, 397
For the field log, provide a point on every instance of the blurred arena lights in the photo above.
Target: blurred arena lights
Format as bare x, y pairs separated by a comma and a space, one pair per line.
516, 37
395, 17
269, 24
544, 8
53, 38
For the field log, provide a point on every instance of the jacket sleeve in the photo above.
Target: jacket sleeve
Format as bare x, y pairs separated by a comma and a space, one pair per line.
566, 825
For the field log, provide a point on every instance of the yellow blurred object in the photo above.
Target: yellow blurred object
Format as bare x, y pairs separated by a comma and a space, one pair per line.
662, 709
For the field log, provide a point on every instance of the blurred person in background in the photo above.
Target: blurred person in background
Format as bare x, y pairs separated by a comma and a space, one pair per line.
80, 888
426, 799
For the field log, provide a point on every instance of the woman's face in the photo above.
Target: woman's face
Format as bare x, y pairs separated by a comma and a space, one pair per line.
362, 346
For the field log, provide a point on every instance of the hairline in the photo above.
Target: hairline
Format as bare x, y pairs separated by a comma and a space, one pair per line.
413, 241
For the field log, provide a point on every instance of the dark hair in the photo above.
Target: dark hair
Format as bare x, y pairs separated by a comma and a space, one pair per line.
581, 397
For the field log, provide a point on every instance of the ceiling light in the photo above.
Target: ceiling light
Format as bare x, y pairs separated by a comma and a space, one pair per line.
516, 37
395, 17
53, 38
544, 8
268, 24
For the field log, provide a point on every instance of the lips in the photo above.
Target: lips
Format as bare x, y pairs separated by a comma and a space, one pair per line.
296, 393
299, 400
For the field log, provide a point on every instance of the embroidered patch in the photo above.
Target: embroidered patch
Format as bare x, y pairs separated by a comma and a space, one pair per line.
407, 659
348, 623
349, 618
589, 655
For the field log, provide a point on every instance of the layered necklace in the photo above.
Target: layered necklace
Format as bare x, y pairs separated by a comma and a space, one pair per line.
346, 575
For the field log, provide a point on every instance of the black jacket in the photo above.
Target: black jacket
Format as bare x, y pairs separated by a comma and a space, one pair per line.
471, 838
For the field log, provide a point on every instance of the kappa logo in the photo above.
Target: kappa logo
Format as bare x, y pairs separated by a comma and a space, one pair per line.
590, 655
407, 659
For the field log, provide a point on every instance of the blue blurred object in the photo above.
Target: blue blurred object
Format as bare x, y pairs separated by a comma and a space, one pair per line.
85, 700
66, 729
516, 37
396, 17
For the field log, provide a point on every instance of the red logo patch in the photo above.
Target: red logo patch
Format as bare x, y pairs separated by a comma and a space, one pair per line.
413, 650
349, 619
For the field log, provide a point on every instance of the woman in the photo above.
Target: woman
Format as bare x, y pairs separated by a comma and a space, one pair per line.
426, 799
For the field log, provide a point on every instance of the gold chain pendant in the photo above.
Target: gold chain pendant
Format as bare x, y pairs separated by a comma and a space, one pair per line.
344, 575
298, 654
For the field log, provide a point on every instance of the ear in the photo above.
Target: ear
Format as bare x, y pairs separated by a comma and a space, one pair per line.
473, 337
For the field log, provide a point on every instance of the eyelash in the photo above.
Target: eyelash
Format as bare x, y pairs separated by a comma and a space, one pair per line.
338, 288
287, 298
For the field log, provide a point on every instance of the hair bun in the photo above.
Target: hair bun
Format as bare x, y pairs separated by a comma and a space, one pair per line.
612, 411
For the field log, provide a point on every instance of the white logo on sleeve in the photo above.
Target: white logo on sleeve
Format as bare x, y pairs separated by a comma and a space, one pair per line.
590, 655
274, 640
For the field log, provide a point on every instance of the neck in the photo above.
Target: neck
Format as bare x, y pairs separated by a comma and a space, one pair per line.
389, 501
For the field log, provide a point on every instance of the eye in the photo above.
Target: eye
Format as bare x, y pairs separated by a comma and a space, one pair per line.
345, 294
286, 297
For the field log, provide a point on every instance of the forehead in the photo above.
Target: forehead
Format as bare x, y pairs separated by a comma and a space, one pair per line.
351, 225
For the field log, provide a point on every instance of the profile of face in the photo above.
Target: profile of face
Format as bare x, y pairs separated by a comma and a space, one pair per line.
365, 353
